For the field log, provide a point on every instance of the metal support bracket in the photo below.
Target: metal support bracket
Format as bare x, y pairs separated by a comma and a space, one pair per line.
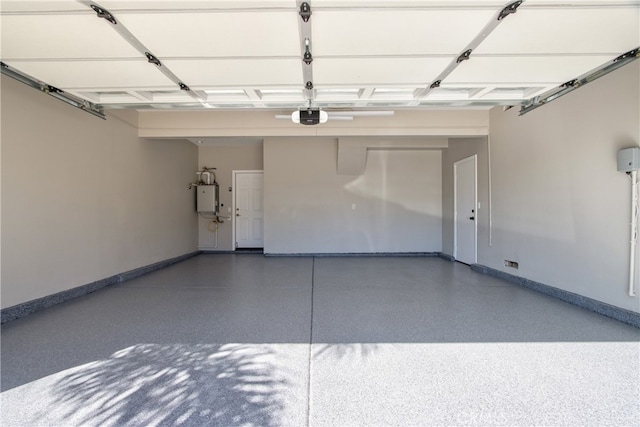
152, 59
464, 56
305, 12
53, 91
136, 44
580, 81
509, 9
103, 13
497, 18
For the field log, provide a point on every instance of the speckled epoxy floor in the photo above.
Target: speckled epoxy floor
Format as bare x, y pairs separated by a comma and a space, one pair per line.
248, 340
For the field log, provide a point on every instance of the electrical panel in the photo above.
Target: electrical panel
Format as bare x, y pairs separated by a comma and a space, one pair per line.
207, 199
629, 159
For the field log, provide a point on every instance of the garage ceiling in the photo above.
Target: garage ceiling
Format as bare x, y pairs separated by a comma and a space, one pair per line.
366, 54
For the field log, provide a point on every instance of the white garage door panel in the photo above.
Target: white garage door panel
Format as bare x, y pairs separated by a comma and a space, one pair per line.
396, 32
61, 36
565, 31
217, 34
92, 74
238, 72
524, 69
361, 71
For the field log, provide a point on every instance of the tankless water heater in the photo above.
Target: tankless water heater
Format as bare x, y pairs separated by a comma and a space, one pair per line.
207, 199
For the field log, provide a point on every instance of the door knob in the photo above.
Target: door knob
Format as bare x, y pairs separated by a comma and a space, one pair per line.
472, 218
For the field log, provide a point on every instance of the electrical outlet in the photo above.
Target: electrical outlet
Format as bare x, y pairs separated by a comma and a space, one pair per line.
511, 264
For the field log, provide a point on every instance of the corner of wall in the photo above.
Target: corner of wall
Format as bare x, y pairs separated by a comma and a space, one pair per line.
114, 201
130, 117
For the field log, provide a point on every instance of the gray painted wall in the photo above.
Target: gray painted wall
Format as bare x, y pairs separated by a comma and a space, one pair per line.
560, 208
308, 206
83, 198
225, 159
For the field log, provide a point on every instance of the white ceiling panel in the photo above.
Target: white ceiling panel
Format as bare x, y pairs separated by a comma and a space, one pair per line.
13, 6
61, 36
272, 95
408, 4
95, 74
185, 5
399, 32
580, 3
568, 31
217, 34
242, 72
373, 71
366, 53
497, 70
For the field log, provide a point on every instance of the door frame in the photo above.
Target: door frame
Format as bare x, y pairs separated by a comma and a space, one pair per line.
473, 158
233, 203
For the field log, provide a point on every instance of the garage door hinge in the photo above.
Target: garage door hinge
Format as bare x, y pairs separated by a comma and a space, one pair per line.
509, 9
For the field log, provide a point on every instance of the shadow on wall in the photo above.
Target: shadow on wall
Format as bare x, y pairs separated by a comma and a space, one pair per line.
408, 179
401, 193
149, 384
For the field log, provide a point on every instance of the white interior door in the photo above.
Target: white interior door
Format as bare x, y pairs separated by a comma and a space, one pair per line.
248, 190
466, 210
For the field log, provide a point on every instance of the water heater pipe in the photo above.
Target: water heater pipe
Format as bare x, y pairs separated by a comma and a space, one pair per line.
634, 230
208, 176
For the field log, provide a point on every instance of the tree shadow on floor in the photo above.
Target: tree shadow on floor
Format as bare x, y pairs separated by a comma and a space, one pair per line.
149, 384
345, 350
